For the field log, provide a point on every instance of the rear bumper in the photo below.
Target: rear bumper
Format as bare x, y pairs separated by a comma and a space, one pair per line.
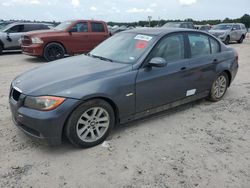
33, 50
42, 125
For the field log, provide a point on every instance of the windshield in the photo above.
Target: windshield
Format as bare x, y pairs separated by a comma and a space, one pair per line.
172, 24
222, 27
123, 47
63, 25
3, 26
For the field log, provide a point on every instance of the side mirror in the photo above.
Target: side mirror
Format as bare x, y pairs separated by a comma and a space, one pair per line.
157, 62
233, 29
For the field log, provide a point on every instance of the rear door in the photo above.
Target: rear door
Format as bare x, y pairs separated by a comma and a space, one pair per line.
13, 35
156, 86
79, 39
204, 55
235, 33
98, 33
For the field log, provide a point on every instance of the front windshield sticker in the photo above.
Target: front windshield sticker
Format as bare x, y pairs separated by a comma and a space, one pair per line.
141, 44
143, 37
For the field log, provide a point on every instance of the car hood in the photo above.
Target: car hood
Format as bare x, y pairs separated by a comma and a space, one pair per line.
218, 31
43, 32
59, 77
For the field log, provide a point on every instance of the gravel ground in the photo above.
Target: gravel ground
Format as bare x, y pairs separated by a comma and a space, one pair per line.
201, 144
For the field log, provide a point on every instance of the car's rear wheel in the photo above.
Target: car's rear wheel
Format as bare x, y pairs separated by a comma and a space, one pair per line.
53, 51
241, 39
90, 124
219, 87
1, 49
227, 40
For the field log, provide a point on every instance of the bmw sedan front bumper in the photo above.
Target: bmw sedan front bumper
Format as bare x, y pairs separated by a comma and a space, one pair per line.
43, 125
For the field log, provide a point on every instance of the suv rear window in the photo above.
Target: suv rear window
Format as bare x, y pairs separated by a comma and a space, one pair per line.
16, 29
33, 27
97, 27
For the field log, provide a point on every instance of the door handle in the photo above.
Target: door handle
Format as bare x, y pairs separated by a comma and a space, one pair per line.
215, 61
183, 68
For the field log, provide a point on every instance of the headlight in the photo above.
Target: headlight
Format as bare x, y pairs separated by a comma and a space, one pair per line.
36, 40
43, 103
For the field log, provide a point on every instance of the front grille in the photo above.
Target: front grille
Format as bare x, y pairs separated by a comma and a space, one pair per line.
15, 94
26, 41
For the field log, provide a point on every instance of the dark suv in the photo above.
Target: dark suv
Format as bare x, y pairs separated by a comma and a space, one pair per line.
11, 34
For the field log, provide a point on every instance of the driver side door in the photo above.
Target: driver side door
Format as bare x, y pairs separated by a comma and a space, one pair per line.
13, 35
156, 86
79, 40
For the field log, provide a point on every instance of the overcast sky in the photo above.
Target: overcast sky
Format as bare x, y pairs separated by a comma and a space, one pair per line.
122, 10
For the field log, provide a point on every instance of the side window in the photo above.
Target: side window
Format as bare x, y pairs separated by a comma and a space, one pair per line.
31, 27
80, 27
236, 27
215, 46
170, 48
199, 45
97, 27
16, 29
243, 26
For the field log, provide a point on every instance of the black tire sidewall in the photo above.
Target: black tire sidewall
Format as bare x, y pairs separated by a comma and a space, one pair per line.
70, 129
1, 49
227, 40
213, 98
45, 55
241, 39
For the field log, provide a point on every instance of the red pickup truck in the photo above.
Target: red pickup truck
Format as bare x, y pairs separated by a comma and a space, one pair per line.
70, 37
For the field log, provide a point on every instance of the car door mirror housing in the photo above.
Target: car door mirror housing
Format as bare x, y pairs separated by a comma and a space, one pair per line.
157, 62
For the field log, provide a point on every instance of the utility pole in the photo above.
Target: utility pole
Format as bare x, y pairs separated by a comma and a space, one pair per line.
149, 20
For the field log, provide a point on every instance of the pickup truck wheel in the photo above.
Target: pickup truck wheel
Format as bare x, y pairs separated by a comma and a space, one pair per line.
1, 49
241, 39
227, 40
219, 87
90, 124
54, 51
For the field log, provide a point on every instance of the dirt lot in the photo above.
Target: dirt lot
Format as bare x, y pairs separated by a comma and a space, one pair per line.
201, 144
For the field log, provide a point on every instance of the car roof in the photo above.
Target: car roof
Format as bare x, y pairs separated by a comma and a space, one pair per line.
159, 31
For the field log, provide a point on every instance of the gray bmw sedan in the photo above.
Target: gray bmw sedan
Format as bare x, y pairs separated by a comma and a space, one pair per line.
130, 75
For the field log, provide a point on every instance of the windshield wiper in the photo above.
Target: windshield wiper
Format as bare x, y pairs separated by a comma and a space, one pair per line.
100, 57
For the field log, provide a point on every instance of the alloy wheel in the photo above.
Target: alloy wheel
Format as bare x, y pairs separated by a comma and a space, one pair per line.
220, 86
93, 124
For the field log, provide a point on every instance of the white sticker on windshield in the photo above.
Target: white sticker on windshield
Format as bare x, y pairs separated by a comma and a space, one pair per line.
143, 37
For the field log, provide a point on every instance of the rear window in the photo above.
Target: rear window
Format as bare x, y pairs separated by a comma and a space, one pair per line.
97, 27
215, 47
199, 45
33, 27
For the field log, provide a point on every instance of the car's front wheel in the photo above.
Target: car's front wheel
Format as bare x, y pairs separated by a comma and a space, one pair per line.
219, 87
53, 51
90, 124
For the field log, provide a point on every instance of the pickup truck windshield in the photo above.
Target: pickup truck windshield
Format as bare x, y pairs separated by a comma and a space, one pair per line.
63, 26
123, 47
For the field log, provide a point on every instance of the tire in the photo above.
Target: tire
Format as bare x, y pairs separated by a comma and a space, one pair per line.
53, 51
1, 49
90, 124
219, 87
241, 39
227, 40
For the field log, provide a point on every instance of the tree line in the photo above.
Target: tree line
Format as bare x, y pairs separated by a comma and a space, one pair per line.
245, 19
